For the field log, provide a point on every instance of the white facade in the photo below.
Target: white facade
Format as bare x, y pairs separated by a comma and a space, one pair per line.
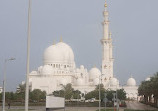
59, 68
1, 89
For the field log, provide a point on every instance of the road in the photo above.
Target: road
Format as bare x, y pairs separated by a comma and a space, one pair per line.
38, 108
139, 106
130, 105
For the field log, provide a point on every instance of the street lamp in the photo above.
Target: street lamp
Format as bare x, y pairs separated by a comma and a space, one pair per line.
100, 77
4, 81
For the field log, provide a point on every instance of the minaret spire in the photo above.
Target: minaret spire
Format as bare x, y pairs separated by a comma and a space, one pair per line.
105, 5
53, 42
61, 39
106, 22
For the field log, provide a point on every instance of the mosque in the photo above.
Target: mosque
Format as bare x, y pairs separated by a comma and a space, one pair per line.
59, 68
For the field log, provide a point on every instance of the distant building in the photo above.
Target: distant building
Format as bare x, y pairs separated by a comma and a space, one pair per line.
18, 88
59, 68
1, 89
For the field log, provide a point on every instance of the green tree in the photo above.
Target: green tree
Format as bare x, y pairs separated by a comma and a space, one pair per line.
121, 94
95, 93
37, 95
0, 96
109, 94
68, 92
76, 94
59, 93
20, 93
10, 96
148, 88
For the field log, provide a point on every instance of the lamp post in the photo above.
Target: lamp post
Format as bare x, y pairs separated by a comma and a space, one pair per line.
100, 77
117, 100
28, 57
105, 100
4, 81
64, 94
114, 99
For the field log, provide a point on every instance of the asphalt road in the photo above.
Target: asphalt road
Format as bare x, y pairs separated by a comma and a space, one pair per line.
130, 105
139, 106
38, 108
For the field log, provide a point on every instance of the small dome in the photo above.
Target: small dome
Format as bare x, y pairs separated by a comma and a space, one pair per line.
96, 81
80, 81
47, 70
131, 82
33, 73
63, 81
148, 79
94, 73
58, 53
40, 69
114, 82
81, 67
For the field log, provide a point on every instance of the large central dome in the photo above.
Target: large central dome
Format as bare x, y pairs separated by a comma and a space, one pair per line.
58, 53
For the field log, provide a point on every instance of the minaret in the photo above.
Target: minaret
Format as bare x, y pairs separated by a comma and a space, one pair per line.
107, 57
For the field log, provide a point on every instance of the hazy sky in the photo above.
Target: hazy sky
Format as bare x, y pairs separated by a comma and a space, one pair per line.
133, 23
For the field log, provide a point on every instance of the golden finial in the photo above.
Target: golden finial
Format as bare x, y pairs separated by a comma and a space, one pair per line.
61, 39
94, 66
105, 4
53, 42
131, 76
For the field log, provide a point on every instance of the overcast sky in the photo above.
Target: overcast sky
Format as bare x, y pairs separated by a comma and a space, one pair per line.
133, 23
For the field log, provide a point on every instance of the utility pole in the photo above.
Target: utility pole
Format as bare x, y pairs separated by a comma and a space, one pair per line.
28, 57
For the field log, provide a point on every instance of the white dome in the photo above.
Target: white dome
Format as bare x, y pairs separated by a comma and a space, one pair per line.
80, 81
82, 67
63, 81
96, 81
66, 51
47, 70
40, 69
131, 82
114, 82
59, 53
94, 73
33, 73
147, 79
